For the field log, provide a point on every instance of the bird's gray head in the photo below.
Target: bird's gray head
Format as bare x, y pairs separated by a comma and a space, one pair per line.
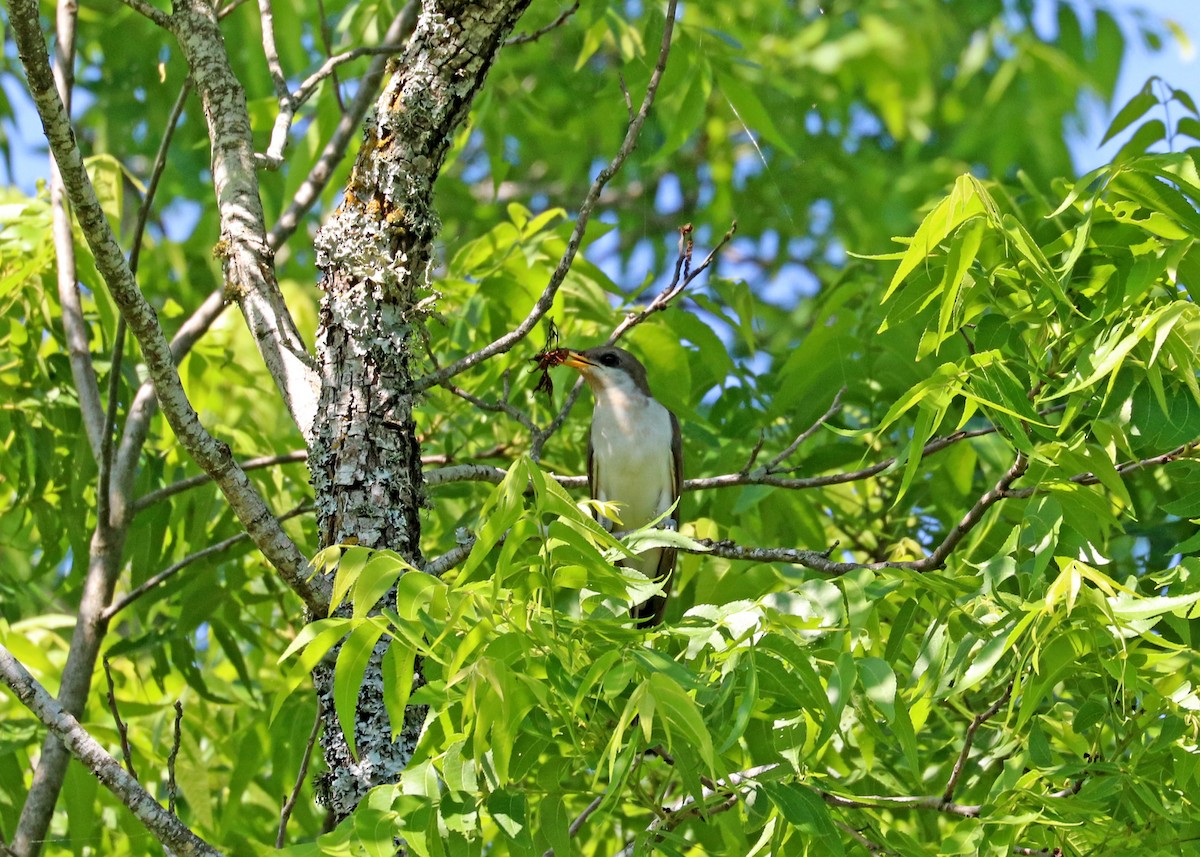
608, 367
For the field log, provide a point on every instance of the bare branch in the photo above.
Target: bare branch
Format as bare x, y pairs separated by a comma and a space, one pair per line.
440, 565
546, 300
287, 106
212, 456
858, 837
763, 477
75, 326
158, 495
285, 812
661, 302
247, 259
820, 561
165, 827
724, 789
1122, 469
172, 570
309, 85
969, 738
808, 432
493, 407
122, 729
526, 38
673, 289
933, 802
145, 9
176, 741
103, 493
335, 150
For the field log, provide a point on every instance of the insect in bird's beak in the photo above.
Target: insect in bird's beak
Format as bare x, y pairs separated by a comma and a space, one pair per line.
548, 358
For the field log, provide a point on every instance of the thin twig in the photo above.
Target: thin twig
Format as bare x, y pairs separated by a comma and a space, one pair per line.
335, 149
724, 789
661, 302
820, 561
103, 498
526, 38
581, 819
172, 570
176, 741
673, 289
546, 300
754, 453
165, 827
75, 326
145, 9
440, 565
283, 96
1122, 469
327, 43
808, 432
159, 494
309, 85
285, 812
858, 837
933, 802
122, 729
493, 407
961, 762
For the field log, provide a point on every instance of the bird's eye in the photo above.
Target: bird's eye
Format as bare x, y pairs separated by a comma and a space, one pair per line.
609, 360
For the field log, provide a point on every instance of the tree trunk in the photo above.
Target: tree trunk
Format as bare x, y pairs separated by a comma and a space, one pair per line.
375, 253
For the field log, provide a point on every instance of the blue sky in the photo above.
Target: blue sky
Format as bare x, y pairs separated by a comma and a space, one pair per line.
1176, 63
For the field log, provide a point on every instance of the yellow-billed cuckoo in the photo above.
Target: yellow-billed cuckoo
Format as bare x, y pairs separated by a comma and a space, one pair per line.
635, 458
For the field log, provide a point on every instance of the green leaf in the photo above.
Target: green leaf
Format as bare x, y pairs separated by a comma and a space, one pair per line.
965, 202
352, 663
679, 712
398, 664
1133, 110
808, 813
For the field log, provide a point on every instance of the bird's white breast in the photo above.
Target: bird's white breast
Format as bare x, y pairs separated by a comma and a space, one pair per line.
631, 442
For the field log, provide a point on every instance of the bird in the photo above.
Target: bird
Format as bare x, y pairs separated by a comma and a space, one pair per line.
635, 458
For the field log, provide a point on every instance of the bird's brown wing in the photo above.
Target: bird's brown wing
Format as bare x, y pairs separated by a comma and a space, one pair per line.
649, 613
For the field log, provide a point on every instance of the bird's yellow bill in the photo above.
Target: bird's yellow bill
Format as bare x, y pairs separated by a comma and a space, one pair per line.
577, 360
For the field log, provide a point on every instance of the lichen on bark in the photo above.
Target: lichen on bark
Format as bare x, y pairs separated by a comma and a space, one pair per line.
375, 253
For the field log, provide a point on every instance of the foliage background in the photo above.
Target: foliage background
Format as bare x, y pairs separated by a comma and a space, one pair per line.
824, 131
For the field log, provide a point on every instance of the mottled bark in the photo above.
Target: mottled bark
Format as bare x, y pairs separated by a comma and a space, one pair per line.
375, 253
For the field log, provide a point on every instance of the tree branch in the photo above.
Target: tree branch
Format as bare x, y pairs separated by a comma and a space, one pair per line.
309, 85
335, 150
526, 38
820, 561
546, 300
122, 729
150, 498
287, 105
247, 259
285, 812
145, 9
75, 327
172, 570
1122, 469
661, 302
673, 289
969, 738
212, 456
168, 829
